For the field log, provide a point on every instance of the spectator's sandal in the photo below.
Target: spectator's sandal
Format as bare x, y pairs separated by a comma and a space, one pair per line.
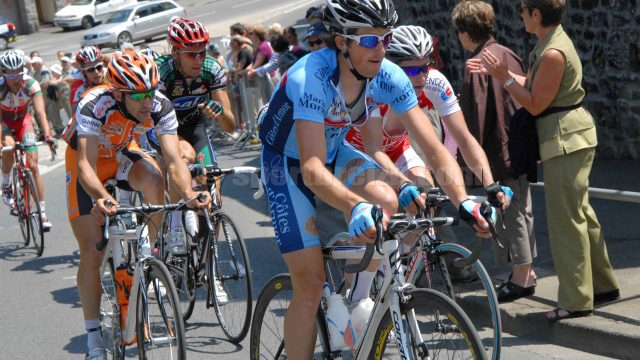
570, 314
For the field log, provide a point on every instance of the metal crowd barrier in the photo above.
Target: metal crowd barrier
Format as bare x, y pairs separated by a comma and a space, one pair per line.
606, 194
253, 95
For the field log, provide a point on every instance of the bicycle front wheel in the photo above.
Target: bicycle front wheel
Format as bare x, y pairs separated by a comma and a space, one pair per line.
110, 314
159, 323
32, 205
19, 201
446, 331
477, 297
266, 340
230, 282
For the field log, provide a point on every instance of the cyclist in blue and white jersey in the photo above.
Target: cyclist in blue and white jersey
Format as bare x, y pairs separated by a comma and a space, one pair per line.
304, 154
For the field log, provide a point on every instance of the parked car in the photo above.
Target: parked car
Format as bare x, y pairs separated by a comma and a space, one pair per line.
142, 21
7, 33
87, 13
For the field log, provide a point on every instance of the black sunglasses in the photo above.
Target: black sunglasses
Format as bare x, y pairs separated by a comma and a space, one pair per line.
315, 42
93, 68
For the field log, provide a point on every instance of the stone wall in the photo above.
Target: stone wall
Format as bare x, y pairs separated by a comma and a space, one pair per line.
607, 36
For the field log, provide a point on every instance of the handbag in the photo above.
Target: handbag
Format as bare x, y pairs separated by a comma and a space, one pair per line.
51, 93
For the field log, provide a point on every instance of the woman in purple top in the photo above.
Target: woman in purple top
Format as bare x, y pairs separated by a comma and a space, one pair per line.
258, 36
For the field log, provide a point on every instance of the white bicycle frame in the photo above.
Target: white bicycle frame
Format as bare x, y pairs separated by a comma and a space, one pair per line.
134, 236
388, 299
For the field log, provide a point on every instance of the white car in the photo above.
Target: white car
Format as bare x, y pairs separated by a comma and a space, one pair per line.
142, 21
87, 13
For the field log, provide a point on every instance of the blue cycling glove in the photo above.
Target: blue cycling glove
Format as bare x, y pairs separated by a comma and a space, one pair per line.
361, 218
408, 193
469, 211
492, 194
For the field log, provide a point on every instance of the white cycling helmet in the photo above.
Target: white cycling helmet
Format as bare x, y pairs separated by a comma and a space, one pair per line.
11, 60
340, 15
409, 43
149, 52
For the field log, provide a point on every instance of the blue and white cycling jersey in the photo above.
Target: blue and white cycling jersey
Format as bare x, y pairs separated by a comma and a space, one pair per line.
309, 91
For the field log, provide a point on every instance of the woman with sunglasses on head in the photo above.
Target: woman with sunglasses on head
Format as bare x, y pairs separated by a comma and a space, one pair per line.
90, 73
387, 138
17, 91
552, 95
197, 86
311, 110
102, 145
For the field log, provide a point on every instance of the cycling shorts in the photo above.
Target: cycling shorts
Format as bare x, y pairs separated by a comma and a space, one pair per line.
79, 202
21, 131
195, 134
408, 159
296, 227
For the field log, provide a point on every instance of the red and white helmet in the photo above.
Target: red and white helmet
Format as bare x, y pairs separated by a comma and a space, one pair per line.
88, 54
187, 33
130, 71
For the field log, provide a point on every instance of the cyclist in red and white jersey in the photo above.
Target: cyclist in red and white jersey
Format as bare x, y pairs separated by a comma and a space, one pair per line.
90, 74
411, 48
17, 92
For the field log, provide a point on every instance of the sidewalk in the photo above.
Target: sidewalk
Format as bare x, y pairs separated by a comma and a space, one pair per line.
613, 330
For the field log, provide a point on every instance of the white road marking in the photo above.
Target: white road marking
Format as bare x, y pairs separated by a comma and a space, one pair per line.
69, 277
290, 9
245, 4
45, 169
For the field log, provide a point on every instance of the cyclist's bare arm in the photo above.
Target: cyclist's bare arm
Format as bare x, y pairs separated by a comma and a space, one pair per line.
179, 175
41, 114
472, 152
227, 120
87, 159
313, 155
372, 137
445, 167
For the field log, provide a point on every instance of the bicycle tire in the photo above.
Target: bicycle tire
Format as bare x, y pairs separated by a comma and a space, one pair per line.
162, 332
232, 270
35, 213
478, 298
438, 318
182, 270
109, 315
266, 340
18, 200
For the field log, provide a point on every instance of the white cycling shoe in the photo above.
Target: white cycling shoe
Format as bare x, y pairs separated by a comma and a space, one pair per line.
97, 353
221, 293
151, 290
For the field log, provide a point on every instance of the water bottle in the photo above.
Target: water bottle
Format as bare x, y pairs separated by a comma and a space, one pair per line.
359, 318
337, 318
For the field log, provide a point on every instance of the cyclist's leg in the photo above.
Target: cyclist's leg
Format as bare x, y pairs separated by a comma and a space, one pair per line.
7, 159
362, 175
296, 232
137, 171
27, 131
87, 234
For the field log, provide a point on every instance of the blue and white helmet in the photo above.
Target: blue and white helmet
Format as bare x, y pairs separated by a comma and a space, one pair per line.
149, 52
11, 60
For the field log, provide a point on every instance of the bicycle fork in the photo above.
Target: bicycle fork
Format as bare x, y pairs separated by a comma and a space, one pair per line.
407, 333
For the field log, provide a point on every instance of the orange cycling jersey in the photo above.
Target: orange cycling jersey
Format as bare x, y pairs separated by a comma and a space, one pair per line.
100, 114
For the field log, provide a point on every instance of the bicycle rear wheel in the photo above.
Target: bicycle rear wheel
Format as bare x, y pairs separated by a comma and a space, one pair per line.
230, 284
476, 297
266, 340
182, 272
159, 323
32, 205
109, 315
446, 331
19, 201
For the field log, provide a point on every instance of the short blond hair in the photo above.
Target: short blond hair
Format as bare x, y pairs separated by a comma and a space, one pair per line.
475, 18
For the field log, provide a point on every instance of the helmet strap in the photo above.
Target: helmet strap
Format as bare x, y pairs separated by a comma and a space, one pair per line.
360, 77
122, 107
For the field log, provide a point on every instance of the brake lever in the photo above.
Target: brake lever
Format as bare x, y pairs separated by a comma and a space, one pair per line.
486, 210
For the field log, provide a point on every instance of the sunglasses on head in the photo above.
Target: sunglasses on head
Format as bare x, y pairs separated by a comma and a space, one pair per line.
142, 95
14, 76
415, 70
93, 68
194, 54
371, 41
315, 42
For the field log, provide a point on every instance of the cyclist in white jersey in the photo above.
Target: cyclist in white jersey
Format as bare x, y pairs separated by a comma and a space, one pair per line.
304, 154
410, 49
